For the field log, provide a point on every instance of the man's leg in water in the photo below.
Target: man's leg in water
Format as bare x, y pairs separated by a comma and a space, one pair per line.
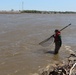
57, 47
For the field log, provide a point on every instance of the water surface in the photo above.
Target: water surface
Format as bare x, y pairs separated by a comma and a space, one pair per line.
20, 53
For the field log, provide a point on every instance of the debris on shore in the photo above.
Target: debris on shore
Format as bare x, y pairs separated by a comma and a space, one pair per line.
68, 68
63, 68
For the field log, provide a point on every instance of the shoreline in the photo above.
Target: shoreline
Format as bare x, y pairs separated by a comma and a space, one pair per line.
67, 67
9, 12
37, 12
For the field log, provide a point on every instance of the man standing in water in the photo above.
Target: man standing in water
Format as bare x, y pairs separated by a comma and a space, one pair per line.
57, 41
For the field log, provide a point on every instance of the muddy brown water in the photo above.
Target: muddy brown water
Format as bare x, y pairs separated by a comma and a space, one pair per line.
20, 53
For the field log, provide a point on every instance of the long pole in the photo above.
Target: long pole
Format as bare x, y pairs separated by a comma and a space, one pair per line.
65, 27
53, 34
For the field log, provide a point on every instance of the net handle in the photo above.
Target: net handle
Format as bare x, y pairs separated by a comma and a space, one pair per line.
65, 27
53, 34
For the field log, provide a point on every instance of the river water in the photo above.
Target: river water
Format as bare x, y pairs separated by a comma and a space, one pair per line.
20, 53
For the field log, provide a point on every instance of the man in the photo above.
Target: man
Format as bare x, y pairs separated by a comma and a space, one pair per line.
57, 41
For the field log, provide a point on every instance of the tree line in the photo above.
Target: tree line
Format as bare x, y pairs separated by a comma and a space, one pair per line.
48, 12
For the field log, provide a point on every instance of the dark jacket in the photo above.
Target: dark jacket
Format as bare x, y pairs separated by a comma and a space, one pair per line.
57, 37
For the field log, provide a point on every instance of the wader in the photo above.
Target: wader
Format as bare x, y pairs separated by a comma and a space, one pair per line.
57, 47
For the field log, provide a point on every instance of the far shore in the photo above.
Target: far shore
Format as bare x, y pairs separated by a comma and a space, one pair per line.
36, 11
9, 12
